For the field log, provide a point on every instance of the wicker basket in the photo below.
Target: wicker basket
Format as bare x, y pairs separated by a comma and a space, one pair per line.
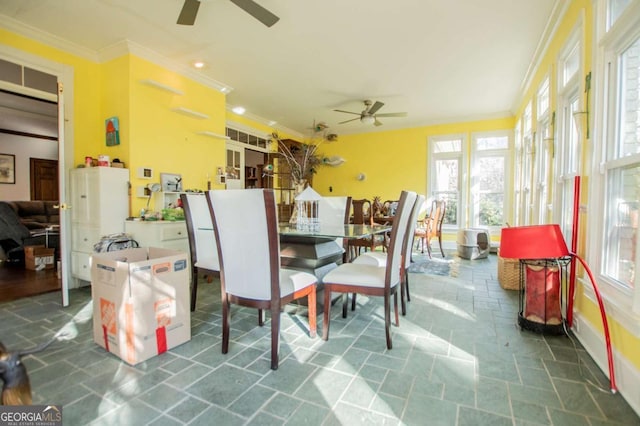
508, 273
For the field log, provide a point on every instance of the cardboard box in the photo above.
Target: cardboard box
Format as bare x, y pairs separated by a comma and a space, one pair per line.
37, 258
140, 302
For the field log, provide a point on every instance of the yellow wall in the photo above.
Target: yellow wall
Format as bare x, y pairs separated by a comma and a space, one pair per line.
392, 161
168, 141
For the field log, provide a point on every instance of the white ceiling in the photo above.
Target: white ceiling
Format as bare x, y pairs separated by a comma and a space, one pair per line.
438, 60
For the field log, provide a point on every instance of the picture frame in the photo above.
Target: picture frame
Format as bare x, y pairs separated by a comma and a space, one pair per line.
171, 182
7, 169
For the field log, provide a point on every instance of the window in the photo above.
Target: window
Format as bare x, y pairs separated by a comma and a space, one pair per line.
490, 157
526, 155
544, 147
568, 164
623, 170
617, 160
446, 165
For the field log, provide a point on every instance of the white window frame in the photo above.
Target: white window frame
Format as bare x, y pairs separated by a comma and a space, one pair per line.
622, 302
569, 94
463, 164
544, 152
517, 181
477, 155
526, 170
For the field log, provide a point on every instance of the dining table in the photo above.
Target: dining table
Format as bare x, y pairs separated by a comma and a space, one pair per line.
317, 250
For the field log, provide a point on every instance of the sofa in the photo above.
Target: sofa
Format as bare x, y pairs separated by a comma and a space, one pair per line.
36, 214
23, 223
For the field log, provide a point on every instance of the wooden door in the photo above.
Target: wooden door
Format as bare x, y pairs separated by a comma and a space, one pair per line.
44, 179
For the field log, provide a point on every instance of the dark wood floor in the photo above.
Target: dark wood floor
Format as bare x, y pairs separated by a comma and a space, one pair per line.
17, 282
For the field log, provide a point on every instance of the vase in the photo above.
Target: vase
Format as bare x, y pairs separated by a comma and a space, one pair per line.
298, 186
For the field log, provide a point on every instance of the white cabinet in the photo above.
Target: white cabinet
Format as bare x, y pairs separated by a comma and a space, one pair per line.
161, 233
99, 206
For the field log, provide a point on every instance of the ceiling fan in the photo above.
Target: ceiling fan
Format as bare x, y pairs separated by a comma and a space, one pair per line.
190, 10
369, 114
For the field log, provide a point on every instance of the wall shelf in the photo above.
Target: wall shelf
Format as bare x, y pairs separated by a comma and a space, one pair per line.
162, 86
190, 113
213, 135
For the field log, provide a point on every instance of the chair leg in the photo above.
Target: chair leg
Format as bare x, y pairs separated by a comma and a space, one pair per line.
311, 302
194, 288
428, 243
275, 334
225, 324
395, 308
325, 317
440, 242
406, 283
402, 292
353, 302
387, 320
260, 317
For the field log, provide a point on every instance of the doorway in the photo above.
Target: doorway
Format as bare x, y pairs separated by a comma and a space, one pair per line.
44, 179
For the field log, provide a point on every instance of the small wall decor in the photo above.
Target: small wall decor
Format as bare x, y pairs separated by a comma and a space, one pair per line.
171, 182
7, 168
112, 128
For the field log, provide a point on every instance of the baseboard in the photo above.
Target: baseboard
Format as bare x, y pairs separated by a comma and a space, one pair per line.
627, 376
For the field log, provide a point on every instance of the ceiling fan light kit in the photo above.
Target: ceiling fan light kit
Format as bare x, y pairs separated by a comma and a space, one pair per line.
369, 114
367, 119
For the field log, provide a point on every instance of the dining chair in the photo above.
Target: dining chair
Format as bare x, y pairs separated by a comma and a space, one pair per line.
363, 215
431, 227
204, 254
245, 224
379, 259
334, 211
372, 280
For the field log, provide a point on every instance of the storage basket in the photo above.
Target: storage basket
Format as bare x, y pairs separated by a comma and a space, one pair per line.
508, 273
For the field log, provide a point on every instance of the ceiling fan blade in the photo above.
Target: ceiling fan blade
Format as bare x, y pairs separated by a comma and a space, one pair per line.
377, 122
393, 114
375, 107
346, 112
257, 11
353, 119
189, 12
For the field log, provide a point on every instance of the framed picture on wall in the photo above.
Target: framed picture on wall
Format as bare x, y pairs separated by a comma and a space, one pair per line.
7, 168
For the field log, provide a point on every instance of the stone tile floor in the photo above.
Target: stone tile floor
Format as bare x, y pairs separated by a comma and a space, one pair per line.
458, 359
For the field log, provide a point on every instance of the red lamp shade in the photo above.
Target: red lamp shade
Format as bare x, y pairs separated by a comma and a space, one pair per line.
533, 242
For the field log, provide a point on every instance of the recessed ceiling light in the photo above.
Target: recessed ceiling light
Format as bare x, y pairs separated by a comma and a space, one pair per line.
239, 110
198, 64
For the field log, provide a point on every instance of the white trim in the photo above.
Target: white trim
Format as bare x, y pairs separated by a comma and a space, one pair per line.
627, 376
555, 19
261, 120
65, 76
36, 34
126, 46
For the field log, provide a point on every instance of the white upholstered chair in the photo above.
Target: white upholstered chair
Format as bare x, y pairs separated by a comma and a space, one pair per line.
371, 279
246, 230
380, 258
204, 254
334, 211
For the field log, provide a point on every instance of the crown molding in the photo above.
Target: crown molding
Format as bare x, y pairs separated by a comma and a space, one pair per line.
261, 120
124, 47
35, 34
555, 19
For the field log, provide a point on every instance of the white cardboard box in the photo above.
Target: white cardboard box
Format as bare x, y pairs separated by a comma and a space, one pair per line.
140, 302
